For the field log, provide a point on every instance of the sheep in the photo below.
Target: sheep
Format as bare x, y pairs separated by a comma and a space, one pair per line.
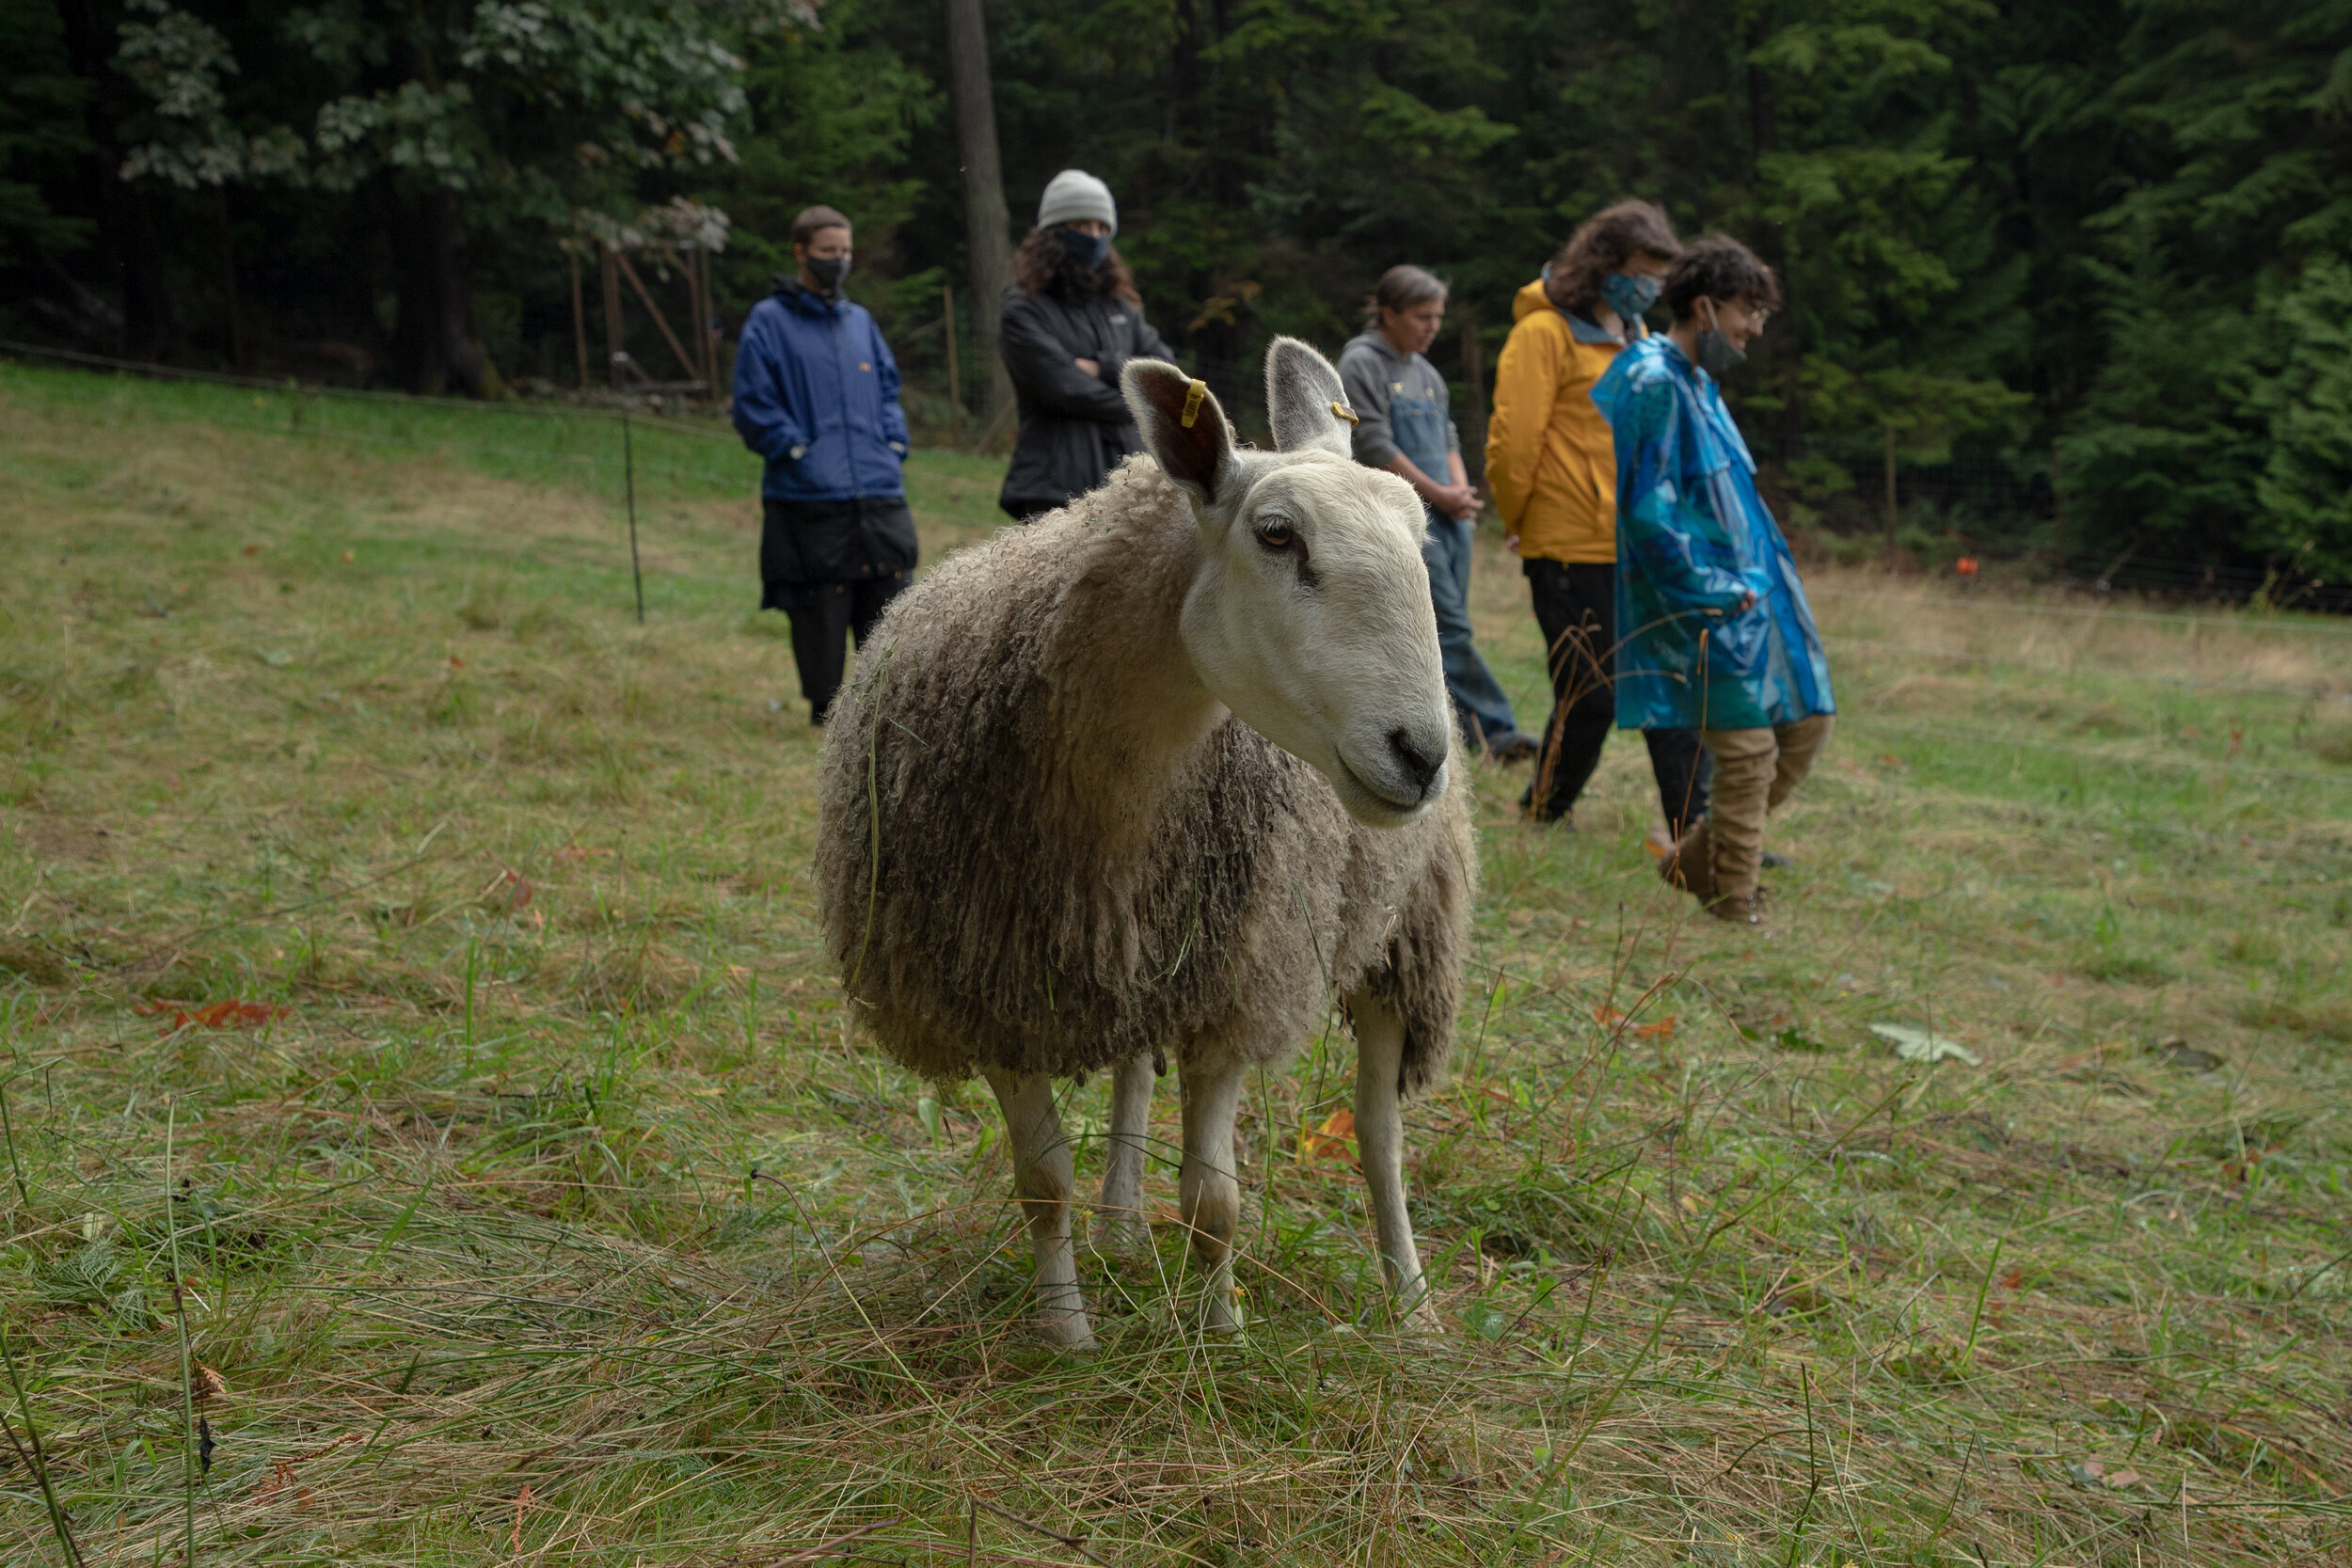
1158, 775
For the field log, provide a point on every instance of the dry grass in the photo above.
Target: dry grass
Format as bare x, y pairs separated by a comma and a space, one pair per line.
557, 1220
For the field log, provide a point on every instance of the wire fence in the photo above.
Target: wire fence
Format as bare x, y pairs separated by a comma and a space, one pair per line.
634, 458
642, 461
591, 445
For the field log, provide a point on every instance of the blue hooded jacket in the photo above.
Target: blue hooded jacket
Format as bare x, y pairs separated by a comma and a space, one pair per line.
816, 395
1693, 539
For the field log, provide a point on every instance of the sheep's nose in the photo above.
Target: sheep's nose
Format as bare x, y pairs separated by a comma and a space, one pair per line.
1420, 765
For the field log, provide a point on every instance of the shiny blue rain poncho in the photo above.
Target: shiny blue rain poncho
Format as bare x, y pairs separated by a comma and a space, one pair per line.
1693, 538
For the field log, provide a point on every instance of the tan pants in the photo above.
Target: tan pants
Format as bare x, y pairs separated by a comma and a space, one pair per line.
1755, 770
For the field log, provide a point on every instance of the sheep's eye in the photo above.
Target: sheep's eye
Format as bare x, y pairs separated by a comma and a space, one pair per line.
1276, 533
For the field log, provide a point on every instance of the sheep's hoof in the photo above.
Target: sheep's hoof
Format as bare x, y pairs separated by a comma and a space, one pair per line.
1068, 1333
1221, 1311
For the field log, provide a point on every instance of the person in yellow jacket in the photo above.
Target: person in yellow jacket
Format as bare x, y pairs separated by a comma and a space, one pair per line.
1553, 467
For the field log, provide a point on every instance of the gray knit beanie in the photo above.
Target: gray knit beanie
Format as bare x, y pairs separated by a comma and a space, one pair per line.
1074, 196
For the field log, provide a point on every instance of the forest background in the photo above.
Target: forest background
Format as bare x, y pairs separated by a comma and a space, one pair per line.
2067, 281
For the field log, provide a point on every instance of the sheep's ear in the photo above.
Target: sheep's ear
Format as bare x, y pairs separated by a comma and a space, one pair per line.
1307, 399
1183, 428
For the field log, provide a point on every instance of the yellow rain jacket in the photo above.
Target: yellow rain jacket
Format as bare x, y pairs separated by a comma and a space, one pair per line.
1550, 459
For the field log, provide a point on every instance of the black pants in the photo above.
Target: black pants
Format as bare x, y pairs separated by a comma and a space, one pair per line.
1577, 608
833, 566
836, 613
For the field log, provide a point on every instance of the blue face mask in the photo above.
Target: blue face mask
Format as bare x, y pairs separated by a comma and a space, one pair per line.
1087, 251
1628, 294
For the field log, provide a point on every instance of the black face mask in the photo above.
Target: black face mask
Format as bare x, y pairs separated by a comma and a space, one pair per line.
1087, 252
1716, 355
829, 271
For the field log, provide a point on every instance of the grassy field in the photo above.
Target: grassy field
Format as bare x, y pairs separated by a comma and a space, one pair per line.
433, 1136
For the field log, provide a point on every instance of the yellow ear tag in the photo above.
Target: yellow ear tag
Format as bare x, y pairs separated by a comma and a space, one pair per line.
1193, 394
1344, 412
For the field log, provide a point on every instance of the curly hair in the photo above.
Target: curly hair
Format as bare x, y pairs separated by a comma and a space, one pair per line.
1603, 244
1041, 266
1719, 267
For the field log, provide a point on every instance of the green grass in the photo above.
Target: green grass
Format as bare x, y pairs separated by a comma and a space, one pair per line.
559, 1219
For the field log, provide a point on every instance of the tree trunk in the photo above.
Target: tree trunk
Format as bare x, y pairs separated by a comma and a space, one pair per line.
130, 251
433, 343
988, 226
228, 279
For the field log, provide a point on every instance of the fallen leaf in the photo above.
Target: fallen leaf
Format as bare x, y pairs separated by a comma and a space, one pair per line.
346, 557
1918, 1045
1335, 1139
518, 885
253, 549
2180, 1054
208, 1385
2094, 1473
1609, 1018
229, 1013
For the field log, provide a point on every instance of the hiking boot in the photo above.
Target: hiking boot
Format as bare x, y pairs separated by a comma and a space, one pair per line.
1514, 751
1689, 865
1736, 910
1535, 816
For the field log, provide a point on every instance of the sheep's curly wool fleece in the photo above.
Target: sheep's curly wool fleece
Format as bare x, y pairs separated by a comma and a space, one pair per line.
1062, 885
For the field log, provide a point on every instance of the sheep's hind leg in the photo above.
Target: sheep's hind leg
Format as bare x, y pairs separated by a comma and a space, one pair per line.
1044, 1179
1119, 1223
1380, 1140
1209, 1188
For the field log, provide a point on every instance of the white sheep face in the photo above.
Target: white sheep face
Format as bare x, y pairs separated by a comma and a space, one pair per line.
1309, 613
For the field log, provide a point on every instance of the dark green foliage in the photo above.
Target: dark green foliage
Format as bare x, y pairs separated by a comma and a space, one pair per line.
2111, 232
41, 135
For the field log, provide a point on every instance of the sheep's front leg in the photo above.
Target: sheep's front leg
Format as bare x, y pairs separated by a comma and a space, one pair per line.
1380, 1140
1119, 1222
1042, 1178
1209, 1189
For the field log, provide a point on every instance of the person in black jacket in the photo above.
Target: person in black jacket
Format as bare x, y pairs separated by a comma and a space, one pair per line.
1070, 322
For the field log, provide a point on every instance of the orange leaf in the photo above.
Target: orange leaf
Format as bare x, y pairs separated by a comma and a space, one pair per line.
1335, 1139
227, 1013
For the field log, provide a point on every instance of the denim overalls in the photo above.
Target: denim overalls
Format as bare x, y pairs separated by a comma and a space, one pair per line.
1419, 425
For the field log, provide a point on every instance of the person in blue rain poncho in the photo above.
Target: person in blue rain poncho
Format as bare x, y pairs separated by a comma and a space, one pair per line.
1715, 630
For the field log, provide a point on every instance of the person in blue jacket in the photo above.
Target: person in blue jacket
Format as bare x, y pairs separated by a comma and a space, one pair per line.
817, 396
1716, 631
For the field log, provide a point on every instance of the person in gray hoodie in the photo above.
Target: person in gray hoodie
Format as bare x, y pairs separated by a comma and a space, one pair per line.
1404, 424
